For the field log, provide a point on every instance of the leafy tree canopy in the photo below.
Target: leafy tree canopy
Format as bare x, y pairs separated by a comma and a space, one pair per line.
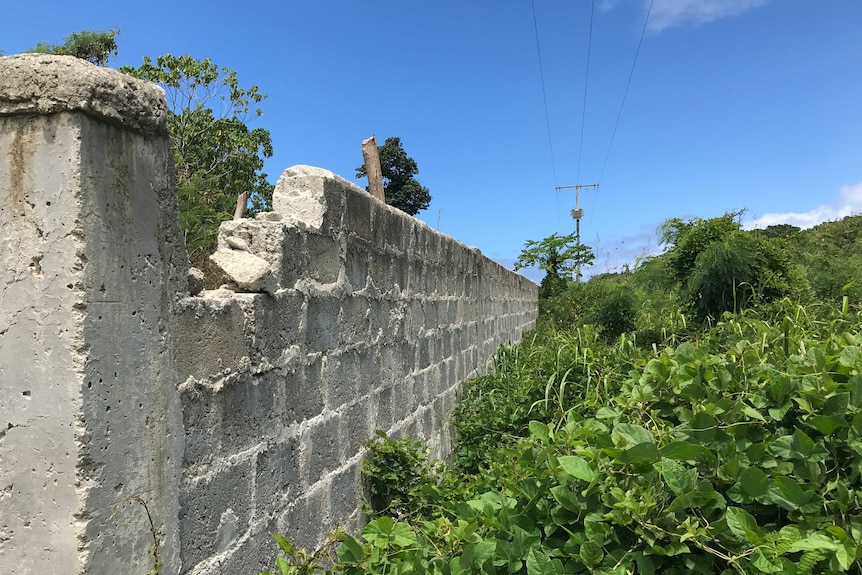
217, 155
93, 46
559, 256
400, 186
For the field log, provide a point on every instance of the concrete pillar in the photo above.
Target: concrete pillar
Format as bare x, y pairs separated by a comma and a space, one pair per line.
91, 262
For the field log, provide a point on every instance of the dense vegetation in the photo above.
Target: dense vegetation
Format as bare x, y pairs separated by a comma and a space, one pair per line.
663, 420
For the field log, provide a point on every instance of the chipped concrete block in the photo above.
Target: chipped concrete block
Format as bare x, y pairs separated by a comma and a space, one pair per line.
249, 272
196, 281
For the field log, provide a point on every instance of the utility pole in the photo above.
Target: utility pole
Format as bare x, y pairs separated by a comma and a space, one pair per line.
577, 214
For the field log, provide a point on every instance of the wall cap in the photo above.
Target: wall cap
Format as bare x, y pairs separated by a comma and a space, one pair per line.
48, 84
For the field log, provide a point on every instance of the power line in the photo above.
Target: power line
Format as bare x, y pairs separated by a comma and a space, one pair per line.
586, 83
626, 92
544, 95
547, 114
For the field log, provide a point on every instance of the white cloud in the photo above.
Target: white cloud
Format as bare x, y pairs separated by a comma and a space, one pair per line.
669, 13
846, 203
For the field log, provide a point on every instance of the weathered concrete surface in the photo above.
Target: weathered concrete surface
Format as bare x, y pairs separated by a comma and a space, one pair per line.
376, 321
43, 84
231, 415
91, 262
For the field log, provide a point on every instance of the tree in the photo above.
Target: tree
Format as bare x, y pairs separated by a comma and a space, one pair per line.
217, 155
93, 46
558, 256
722, 268
400, 186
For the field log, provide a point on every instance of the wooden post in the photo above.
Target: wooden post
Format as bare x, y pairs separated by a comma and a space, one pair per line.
241, 200
372, 168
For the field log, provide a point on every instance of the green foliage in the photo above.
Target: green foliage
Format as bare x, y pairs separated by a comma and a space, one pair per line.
400, 186
737, 452
658, 445
217, 155
396, 472
93, 46
831, 256
558, 256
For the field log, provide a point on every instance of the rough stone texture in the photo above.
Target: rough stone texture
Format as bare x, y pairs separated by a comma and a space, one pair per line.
43, 84
249, 272
91, 262
230, 414
378, 320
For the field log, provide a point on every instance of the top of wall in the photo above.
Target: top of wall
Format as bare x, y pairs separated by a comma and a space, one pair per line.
47, 84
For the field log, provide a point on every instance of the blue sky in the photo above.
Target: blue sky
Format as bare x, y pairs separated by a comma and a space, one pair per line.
733, 104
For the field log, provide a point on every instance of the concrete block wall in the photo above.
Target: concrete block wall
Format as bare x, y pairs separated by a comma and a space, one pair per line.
230, 414
375, 320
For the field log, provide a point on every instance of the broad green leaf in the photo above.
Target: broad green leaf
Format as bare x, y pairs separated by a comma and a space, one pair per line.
566, 498
476, 553
766, 564
753, 413
283, 565
640, 453
836, 404
785, 493
814, 542
628, 434
679, 478
591, 554
577, 467
645, 564
681, 451
606, 413
850, 356
283, 543
827, 424
350, 550
540, 564
403, 535
846, 554
703, 426
743, 526
753, 481
540, 431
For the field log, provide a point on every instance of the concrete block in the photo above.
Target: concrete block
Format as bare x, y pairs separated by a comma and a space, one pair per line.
381, 271
253, 555
368, 370
305, 393
358, 425
333, 219
356, 264
394, 232
357, 217
340, 374
244, 414
249, 272
277, 476
322, 322
379, 214
355, 319
383, 416
279, 323
301, 194
209, 336
324, 450
214, 511
344, 497
324, 258
306, 521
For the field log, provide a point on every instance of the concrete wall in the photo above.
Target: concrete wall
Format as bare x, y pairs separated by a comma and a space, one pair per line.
91, 260
232, 413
